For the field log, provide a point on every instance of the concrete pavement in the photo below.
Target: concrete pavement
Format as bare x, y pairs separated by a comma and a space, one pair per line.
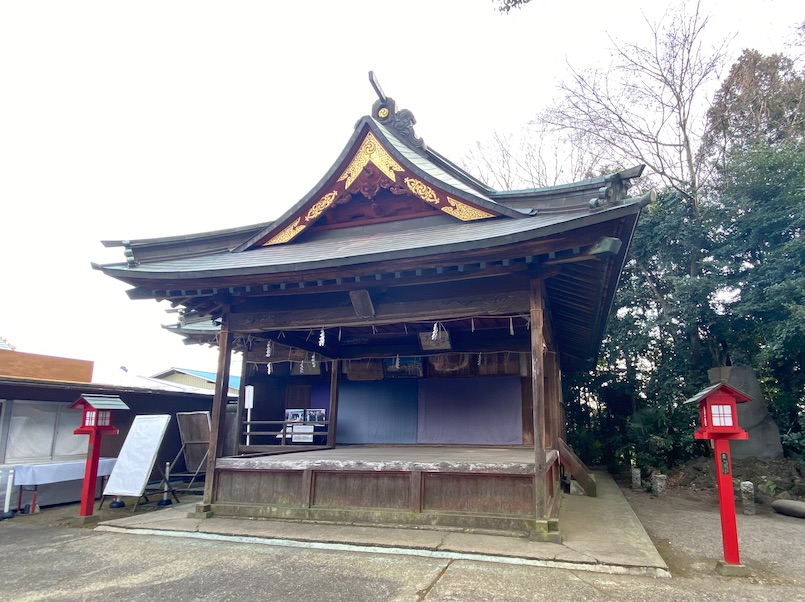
600, 534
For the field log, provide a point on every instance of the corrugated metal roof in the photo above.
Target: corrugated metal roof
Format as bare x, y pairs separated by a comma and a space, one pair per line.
234, 381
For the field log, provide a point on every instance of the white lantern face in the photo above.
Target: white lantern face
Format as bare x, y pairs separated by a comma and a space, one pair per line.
722, 415
89, 418
104, 418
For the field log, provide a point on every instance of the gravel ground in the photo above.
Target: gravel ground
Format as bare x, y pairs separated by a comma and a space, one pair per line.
686, 528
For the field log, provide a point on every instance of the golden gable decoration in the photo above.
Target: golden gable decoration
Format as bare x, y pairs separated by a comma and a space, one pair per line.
453, 207
370, 151
464, 212
296, 226
287, 233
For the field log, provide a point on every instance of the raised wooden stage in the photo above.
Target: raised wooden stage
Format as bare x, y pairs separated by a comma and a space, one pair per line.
474, 488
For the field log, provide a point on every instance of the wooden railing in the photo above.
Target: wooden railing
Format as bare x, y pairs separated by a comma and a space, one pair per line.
284, 433
577, 468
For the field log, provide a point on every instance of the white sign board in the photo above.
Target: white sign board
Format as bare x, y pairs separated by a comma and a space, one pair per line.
300, 433
137, 456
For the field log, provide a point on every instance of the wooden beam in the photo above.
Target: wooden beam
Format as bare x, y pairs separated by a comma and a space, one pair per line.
538, 396
218, 414
490, 304
362, 303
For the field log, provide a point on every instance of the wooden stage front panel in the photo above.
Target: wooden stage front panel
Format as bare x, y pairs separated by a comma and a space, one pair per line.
465, 487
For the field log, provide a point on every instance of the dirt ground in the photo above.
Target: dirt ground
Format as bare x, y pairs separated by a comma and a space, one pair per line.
685, 525
67, 515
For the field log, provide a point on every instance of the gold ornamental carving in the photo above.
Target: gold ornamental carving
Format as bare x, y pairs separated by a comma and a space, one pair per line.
423, 191
287, 233
319, 208
370, 151
465, 212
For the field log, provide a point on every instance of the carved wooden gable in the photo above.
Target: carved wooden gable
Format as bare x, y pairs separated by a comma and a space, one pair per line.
370, 185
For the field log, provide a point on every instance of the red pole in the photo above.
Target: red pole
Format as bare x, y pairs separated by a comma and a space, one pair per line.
91, 474
726, 499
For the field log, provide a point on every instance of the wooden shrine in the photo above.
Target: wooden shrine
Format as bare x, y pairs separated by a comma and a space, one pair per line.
404, 328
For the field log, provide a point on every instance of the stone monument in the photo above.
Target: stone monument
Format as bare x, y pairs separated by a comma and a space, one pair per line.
764, 435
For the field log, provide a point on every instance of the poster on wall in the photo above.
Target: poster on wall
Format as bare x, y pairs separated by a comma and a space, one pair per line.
295, 415
315, 415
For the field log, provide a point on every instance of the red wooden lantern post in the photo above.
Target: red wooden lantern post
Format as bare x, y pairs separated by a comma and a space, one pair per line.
97, 421
718, 416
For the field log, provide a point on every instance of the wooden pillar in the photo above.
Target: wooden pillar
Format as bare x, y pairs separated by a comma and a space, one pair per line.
218, 414
560, 406
538, 394
552, 400
335, 376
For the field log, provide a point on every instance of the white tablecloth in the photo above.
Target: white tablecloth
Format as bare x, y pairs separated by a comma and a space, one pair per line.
56, 472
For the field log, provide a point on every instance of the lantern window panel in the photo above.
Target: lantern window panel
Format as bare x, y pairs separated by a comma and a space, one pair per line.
722, 415
104, 418
89, 418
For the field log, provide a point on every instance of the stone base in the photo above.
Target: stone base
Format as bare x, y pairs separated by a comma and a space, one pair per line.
732, 570
201, 511
86, 520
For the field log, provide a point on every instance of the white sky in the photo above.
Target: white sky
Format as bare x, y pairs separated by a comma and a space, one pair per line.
125, 120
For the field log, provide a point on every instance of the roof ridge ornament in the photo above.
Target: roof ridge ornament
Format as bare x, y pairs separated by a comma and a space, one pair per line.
400, 122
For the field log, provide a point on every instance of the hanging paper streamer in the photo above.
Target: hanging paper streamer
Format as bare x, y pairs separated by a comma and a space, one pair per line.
435, 334
479, 359
397, 362
302, 367
268, 368
405, 326
269, 350
511, 326
313, 360
339, 335
472, 321
321, 338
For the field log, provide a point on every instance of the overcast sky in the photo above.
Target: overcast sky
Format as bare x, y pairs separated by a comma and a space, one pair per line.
126, 120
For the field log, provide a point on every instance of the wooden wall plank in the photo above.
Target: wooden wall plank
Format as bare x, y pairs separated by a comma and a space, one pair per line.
509, 495
345, 489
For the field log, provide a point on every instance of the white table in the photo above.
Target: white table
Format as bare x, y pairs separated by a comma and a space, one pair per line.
56, 472
33, 475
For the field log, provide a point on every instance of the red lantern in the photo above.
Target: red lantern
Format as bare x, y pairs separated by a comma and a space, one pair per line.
718, 415
97, 421
718, 412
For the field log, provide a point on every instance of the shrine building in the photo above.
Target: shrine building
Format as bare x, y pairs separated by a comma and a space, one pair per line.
404, 330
